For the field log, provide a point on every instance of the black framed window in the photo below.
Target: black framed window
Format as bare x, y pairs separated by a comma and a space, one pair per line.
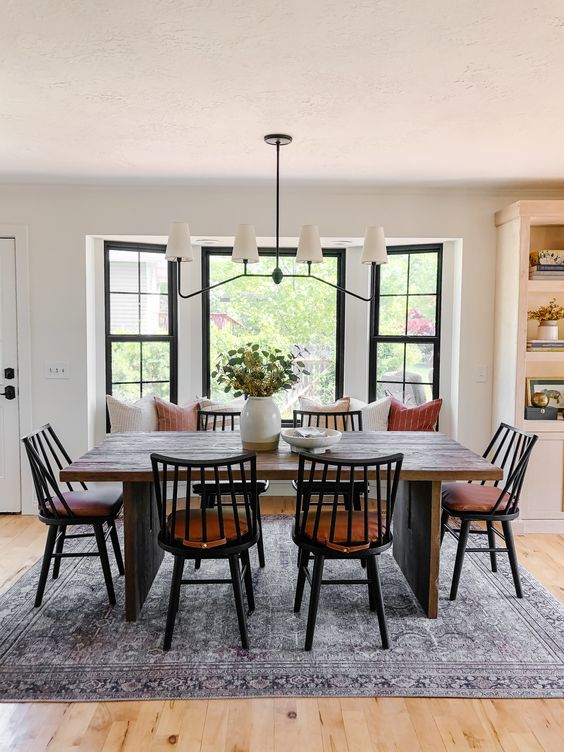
297, 312
406, 324
141, 325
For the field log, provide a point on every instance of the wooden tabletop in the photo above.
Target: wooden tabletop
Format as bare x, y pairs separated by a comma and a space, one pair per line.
427, 456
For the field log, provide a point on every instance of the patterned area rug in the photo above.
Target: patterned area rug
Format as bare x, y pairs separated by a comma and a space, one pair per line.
486, 644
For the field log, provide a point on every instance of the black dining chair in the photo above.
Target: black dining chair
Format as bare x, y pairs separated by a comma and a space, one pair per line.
350, 420
509, 449
217, 420
339, 421
226, 531
62, 509
324, 529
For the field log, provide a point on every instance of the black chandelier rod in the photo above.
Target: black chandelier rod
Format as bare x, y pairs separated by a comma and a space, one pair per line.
245, 273
278, 203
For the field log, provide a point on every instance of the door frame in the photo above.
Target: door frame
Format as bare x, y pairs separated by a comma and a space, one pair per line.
20, 235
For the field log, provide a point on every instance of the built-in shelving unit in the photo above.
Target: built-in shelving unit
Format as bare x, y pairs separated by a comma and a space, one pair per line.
523, 227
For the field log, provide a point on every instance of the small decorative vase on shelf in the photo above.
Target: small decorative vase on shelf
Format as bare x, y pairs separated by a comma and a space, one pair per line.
260, 424
548, 330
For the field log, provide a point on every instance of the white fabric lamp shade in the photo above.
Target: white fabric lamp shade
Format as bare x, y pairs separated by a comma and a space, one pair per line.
374, 248
179, 245
309, 245
245, 245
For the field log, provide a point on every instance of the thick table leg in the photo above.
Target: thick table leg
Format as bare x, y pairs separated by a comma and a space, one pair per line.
143, 555
417, 539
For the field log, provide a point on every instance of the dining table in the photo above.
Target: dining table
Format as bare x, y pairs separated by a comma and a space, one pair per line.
430, 459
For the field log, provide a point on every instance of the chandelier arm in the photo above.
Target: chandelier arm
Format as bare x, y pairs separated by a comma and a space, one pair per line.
210, 287
336, 287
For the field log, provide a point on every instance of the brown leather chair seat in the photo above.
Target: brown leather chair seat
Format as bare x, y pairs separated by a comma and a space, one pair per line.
341, 527
90, 503
212, 527
471, 497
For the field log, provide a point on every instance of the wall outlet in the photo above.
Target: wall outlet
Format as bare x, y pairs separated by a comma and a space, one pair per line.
57, 370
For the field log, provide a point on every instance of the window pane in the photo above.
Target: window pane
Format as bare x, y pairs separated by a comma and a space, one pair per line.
126, 392
153, 273
156, 361
297, 312
162, 390
124, 271
393, 275
421, 315
389, 361
419, 361
154, 314
392, 315
423, 273
126, 361
124, 314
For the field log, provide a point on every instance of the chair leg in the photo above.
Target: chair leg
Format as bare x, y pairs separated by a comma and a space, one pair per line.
61, 530
374, 574
260, 544
444, 521
510, 543
246, 561
173, 600
179, 589
491, 544
369, 579
462, 541
314, 599
49, 546
238, 594
303, 558
103, 551
115, 545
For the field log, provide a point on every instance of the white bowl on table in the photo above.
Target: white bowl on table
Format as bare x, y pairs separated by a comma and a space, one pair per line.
316, 444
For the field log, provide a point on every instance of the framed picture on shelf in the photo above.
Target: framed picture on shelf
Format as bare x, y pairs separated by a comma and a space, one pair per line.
552, 387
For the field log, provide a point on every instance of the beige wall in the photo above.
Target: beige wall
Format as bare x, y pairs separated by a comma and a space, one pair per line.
60, 217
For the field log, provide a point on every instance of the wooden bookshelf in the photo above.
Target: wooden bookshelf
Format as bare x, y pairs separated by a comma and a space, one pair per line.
521, 228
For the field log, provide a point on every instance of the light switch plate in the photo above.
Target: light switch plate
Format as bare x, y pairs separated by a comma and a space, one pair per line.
56, 369
481, 374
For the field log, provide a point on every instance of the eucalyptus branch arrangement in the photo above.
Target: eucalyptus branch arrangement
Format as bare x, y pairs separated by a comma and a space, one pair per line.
551, 312
257, 371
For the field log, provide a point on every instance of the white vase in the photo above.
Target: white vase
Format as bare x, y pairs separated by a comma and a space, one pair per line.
548, 330
260, 424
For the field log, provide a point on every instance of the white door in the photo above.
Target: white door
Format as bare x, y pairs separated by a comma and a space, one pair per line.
9, 407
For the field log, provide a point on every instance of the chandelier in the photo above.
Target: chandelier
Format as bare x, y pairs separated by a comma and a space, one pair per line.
245, 251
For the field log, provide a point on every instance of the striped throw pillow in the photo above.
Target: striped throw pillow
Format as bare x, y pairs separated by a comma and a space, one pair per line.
173, 417
136, 416
420, 418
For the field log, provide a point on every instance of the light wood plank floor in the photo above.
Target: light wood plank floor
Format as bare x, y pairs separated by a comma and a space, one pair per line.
283, 724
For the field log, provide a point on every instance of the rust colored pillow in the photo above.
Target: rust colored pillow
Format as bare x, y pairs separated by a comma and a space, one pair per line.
420, 418
173, 417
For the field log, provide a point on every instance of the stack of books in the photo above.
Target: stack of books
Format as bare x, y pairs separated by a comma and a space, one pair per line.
546, 271
545, 345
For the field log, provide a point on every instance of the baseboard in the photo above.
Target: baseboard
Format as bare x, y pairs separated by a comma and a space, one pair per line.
522, 527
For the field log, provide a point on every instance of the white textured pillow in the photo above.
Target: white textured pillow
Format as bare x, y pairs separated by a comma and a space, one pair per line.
136, 416
375, 415
232, 406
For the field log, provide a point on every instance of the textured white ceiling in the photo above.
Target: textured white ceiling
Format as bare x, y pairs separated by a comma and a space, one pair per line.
375, 91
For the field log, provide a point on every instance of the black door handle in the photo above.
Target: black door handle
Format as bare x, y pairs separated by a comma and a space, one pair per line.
9, 393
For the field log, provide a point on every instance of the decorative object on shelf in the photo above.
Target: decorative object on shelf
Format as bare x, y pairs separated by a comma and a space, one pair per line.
259, 373
540, 399
551, 386
546, 265
313, 440
541, 413
179, 246
548, 317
